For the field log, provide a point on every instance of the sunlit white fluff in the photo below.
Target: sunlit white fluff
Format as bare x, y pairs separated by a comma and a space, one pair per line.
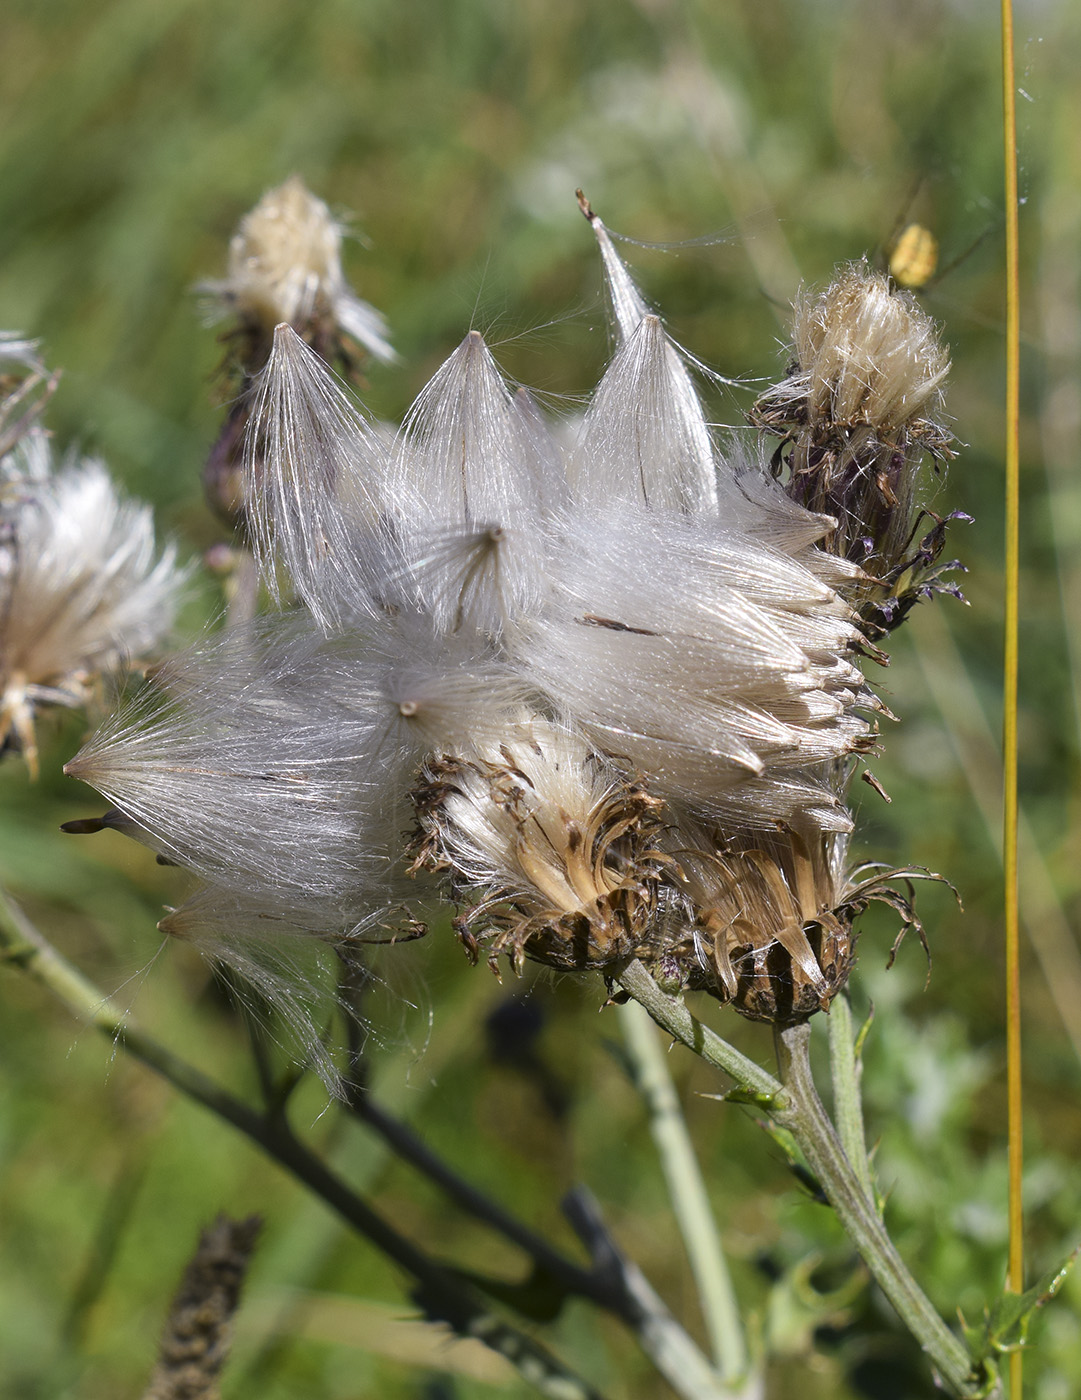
546, 660
645, 438
315, 492
278, 760
476, 480
82, 586
285, 265
699, 658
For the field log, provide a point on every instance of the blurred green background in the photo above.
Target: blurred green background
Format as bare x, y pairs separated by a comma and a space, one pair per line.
453, 133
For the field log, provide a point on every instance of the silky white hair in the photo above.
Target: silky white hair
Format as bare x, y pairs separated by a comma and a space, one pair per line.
640, 611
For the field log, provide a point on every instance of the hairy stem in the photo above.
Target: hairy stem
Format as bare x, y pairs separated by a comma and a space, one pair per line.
805, 1118
847, 1103
687, 1193
671, 1015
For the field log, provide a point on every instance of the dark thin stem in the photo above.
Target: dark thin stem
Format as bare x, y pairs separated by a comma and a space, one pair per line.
442, 1295
408, 1145
613, 1283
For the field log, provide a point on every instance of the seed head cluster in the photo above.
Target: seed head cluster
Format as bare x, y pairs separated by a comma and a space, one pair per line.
600, 690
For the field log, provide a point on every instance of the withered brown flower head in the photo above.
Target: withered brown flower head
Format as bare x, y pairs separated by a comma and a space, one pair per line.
858, 411
555, 855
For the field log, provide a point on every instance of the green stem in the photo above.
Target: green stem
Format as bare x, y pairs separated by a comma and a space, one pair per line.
671, 1015
687, 1193
847, 1103
805, 1118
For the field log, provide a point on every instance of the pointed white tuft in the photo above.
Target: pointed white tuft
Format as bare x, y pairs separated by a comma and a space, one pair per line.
481, 477
645, 437
628, 305
315, 472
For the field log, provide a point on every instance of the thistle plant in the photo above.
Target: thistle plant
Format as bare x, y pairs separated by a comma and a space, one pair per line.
614, 688
598, 693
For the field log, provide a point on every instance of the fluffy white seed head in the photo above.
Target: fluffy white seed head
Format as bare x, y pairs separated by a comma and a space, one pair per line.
82, 588
857, 413
867, 353
558, 666
285, 265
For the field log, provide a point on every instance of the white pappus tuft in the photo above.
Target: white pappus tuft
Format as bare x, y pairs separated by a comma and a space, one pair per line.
285, 265
82, 588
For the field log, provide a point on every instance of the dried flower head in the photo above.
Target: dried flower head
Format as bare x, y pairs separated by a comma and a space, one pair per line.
284, 268
859, 409
82, 588
559, 852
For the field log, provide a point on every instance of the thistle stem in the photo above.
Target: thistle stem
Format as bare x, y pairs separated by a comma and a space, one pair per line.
687, 1193
793, 1104
805, 1118
671, 1015
847, 1103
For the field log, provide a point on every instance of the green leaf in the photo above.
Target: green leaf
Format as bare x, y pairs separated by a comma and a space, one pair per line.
1006, 1324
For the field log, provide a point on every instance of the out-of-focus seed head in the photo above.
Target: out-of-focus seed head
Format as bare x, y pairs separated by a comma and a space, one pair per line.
26, 386
285, 265
82, 588
858, 410
284, 268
